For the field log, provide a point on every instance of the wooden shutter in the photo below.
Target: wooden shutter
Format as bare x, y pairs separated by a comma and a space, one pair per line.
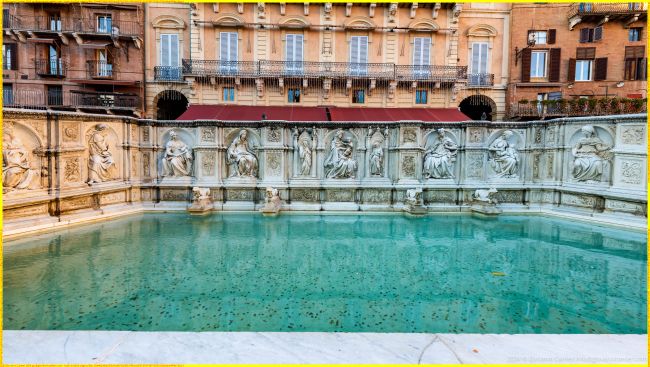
634, 52
641, 68
600, 72
572, 70
550, 38
554, 65
598, 33
584, 35
585, 53
525, 65
14, 56
228, 46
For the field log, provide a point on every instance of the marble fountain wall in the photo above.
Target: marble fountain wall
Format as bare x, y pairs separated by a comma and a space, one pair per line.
64, 168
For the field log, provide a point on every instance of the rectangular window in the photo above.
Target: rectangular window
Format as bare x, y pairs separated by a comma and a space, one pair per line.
104, 24
359, 96
54, 95
588, 35
421, 96
421, 54
9, 53
584, 7
538, 64
634, 34
7, 94
169, 55
584, 70
228, 52
540, 37
55, 66
293, 96
359, 55
635, 63
541, 97
228, 94
104, 68
294, 54
54, 21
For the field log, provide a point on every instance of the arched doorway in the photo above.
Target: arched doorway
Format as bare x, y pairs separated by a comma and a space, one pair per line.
170, 104
478, 107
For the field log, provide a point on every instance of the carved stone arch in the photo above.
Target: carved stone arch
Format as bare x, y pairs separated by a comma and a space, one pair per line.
294, 21
254, 138
516, 137
183, 134
31, 133
168, 22
360, 23
330, 135
481, 30
601, 133
229, 19
432, 134
172, 94
424, 25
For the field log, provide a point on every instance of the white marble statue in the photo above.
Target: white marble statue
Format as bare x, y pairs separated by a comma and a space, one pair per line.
305, 152
376, 159
485, 196
201, 201
272, 203
243, 162
504, 156
101, 166
339, 162
18, 170
439, 157
591, 156
414, 197
178, 158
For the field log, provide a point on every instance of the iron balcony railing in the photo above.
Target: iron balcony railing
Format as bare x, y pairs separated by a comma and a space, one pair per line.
581, 9
480, 80
107, 26
10, 21
51, 68
266, 68
112, 27
576, 108
39, 99
168, 73
99, 69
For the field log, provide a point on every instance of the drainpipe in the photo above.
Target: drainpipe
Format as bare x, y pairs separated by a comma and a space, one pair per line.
144, 61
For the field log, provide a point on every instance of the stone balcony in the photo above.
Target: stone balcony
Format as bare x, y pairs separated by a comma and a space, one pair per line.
600, 13
312, 69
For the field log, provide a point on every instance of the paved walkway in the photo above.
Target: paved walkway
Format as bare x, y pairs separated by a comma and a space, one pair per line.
124, 347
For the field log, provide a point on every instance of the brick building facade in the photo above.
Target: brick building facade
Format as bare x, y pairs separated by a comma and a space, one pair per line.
581, 51
83, 56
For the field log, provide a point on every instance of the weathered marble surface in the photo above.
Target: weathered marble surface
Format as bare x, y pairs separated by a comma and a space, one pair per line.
104, 347
593, 167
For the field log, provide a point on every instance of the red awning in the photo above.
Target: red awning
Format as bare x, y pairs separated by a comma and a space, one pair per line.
396, 114
254, 113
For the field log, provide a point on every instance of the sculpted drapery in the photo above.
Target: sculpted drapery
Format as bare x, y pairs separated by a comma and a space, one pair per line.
439, 158
101, 166
339, 162
178, 158
241, 159
505, 157
591, 156
18, 171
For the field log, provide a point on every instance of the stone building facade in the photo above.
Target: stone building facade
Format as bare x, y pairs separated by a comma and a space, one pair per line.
85, 57
327, 54
581, 50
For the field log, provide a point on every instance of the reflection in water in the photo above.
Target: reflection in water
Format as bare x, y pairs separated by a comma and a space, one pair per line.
373, 273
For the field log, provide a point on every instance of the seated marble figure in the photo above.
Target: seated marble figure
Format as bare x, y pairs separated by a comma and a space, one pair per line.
242, 161
339, 162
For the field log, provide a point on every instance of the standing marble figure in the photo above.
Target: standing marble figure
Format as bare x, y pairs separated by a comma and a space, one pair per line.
505, 157
439, 157
376, 159
178, 157
101, 166
339, 162
591, 156
17, 170
240, 158
305, 153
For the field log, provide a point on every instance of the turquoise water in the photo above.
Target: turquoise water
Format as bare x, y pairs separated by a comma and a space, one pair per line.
361, 273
